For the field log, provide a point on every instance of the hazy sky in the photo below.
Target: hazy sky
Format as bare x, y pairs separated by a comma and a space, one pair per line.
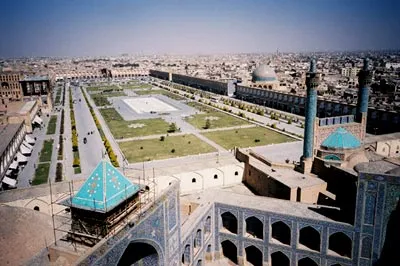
112, 27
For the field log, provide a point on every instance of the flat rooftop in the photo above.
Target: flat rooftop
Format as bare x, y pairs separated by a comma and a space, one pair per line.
385, 137
236, 197
18, 107
286, 176
280, 152
181, 165
7, 132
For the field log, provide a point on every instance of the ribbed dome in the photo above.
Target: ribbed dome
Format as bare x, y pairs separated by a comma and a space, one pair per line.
263, 73
341, 139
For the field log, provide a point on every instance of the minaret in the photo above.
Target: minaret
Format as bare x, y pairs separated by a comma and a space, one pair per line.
364, 81
312, 81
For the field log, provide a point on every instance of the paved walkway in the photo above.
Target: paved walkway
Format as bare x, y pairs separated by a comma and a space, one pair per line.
91, 153
106, 130
28, 172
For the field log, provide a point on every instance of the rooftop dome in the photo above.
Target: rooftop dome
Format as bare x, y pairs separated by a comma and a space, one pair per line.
263, 73
341, 139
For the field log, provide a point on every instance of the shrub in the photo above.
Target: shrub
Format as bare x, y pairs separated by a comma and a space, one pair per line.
260, 112
141, 147
172, 128
162, 138
256, 140
208, 124
273, 125
242, 115
76, 162
173, 151
289, 121
59, 172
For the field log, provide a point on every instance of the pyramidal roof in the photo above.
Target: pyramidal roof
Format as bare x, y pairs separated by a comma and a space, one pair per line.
104, 189
341, 139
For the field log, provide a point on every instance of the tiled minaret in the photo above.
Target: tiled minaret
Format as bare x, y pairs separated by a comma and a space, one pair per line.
312, 81
364, 81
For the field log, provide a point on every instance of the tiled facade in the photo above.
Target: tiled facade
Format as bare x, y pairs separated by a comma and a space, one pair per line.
252, 234
10, 88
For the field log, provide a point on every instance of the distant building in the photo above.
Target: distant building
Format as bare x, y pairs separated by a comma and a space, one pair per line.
392, 65
350, 71
10, 88
39, 87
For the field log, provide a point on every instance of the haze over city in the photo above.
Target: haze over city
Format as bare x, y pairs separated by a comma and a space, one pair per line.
98, 28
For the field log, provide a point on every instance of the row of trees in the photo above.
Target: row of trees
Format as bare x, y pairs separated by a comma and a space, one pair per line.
75, 145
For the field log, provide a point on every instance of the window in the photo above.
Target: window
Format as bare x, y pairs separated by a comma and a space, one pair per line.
215, 176
36, 208
236, 173
193, 180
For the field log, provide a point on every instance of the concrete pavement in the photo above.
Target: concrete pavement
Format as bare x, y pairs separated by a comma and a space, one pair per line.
91, 153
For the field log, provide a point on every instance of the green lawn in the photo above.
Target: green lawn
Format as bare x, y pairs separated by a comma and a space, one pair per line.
51, 128
45, 153
135, 128
102, 88
246, 137
217, 119
41, 174
100, 99
155, 149
136, 86
58, 96
162, 92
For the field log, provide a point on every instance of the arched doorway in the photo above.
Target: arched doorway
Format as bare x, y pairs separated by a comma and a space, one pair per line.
254, 227
279, 259
281, 232
341, 244
139, 253
229, 251
229, 222
306, 262
310, 238
254, 256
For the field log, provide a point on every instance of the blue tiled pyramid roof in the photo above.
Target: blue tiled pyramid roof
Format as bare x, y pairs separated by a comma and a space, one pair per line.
104, 189
341, 139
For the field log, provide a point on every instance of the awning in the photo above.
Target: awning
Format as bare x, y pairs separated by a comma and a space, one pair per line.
37, 120
27, 144
9, 181
29, 139
21, 158
13, 165
9, 172
25, 150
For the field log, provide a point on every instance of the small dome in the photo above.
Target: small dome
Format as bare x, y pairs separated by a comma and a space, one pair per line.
263, 73
341, 139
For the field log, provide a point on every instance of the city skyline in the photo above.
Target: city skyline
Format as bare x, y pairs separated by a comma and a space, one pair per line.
98, 28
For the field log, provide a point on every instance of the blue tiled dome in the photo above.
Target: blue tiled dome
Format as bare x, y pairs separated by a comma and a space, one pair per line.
263, 73
341, 139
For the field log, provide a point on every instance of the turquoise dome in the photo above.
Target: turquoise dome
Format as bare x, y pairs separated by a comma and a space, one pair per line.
341, 139
263, 73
